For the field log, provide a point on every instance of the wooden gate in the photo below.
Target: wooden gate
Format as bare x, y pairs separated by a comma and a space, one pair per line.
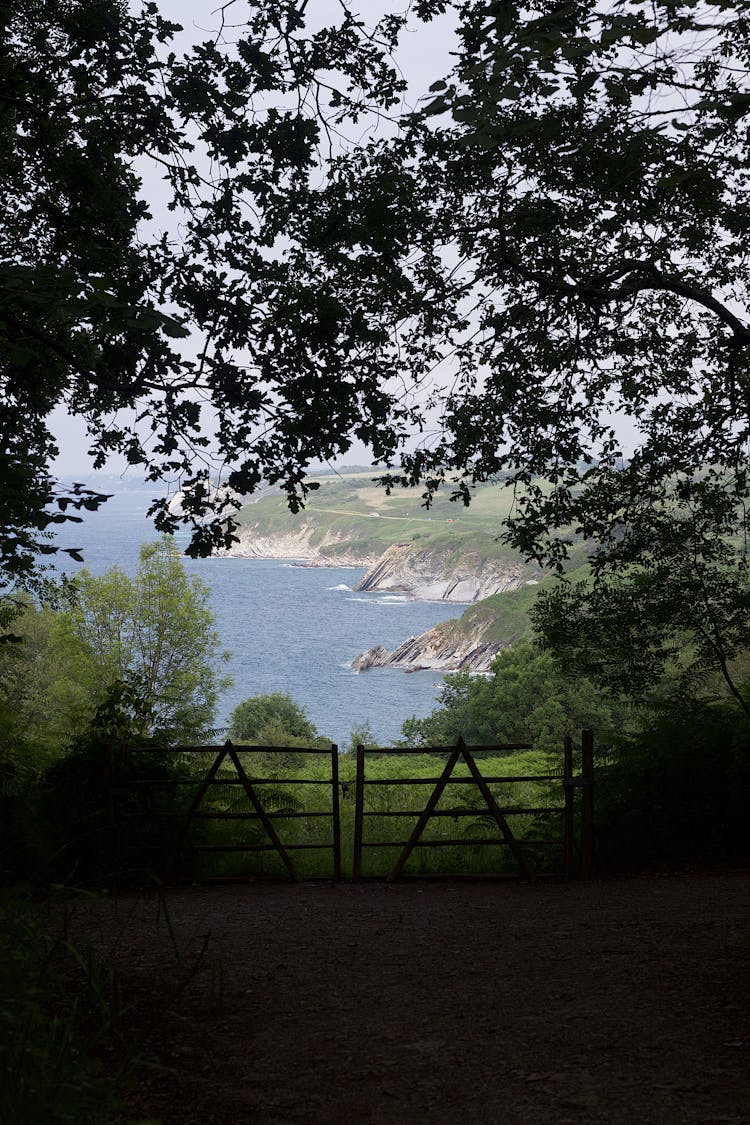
492, 811
145, 795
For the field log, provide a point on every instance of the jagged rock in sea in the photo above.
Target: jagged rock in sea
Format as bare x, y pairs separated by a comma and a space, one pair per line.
434, 576
445, 648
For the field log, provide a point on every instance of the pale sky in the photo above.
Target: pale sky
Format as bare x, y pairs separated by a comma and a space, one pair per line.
424, 58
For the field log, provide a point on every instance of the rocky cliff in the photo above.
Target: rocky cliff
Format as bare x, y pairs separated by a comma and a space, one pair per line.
306, 543
444, 648
464, 644
459, 576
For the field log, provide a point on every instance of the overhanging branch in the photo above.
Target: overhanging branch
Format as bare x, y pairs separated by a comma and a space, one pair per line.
644, 276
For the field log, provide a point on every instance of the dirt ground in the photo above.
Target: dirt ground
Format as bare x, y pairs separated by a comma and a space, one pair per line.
619, 1000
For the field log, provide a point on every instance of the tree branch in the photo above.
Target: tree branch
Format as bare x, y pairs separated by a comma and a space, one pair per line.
651, 279
64, 353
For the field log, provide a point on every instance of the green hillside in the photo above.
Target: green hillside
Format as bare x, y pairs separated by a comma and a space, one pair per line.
367, 522
507, 613
352, 507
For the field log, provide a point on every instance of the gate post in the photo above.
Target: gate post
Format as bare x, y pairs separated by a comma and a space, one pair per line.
335, 812
359, 802
587, 803
111, 851
569, 814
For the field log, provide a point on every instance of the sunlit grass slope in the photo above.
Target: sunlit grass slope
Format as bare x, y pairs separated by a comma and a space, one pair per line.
367, 520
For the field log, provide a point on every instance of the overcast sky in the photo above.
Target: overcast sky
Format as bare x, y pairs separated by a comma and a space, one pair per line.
424, 57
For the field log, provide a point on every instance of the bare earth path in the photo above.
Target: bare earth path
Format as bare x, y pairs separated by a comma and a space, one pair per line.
625, 1000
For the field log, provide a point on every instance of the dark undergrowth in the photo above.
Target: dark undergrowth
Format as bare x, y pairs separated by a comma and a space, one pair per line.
63, 1057
673, 796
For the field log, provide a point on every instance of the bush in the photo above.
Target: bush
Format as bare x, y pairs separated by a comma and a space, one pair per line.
677, 792
49, 1075
276, 711
82, 806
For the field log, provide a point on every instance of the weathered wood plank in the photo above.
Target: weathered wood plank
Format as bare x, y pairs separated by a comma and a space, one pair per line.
201, 793
335, 812
425, 815
498, 817
359, 801
262, 814
587, 803
569, 814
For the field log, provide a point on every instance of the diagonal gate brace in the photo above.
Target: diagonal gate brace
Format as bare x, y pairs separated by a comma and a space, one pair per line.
263, 815
462, 751
194, 806
228, 751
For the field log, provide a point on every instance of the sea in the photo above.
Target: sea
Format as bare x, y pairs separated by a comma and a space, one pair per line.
288, 628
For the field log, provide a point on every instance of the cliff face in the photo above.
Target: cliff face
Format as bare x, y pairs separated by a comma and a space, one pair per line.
426, 574
446, 648
222, 492
465, 644
306, 544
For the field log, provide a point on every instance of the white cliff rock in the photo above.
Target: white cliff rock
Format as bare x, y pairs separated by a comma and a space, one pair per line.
305, 544
217, 493
443, 648
431, 576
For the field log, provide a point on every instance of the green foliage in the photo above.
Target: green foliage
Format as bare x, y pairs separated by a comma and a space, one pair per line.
359, 519
112, 660
83, 797
361, 734
45, 685
96, 302
589, 179
677, 791
48, 1074
502, 619
266, 719
274, 719
526, 698
458, 798
47, 688
156, 630
577, 182
677, 606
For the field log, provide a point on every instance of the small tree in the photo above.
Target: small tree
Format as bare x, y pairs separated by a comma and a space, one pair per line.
47, 686
361, 734
272, 719
155, 630
672, 609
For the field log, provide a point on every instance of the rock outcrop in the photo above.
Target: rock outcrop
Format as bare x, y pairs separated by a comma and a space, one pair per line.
445, 648
217, 493
306, 544
459, 577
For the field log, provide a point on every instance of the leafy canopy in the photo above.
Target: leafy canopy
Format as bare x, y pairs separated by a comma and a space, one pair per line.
135, 321
568, 216
675, 620
557, 235
148, 640
526, 698
155, 630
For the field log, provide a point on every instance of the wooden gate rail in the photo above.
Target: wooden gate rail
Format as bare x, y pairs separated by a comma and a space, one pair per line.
122, 785
461, 751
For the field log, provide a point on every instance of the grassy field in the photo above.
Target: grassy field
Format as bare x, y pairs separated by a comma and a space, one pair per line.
369, 521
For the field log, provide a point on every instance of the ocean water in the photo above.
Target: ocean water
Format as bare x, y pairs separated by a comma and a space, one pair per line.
288, 628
